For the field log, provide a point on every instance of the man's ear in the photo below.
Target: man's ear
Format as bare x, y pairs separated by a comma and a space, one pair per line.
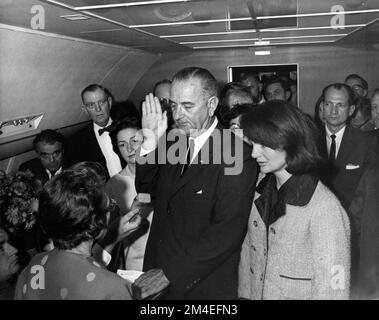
351, 110
260, 86
212, 105
110, 101
288, 95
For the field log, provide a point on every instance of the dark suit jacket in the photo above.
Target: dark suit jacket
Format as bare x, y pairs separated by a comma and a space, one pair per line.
357, 152
83, 146
364, 211
200, 220
35, 166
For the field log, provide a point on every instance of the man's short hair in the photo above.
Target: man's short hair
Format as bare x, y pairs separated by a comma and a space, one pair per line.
94, 87
48, 136
280, 125
247, 76
357, 76
340, 86
209, 82
164, 81
283, 83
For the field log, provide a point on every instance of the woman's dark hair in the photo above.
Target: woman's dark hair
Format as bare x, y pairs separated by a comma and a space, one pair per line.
94, 171
316, 117
117, 126
279, 125
237, 111
72, 209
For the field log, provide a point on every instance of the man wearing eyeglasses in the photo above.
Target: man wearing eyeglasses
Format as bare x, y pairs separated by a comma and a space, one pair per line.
49, 145
93, 143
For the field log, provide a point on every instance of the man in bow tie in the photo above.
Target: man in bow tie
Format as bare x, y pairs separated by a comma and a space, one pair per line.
93, 143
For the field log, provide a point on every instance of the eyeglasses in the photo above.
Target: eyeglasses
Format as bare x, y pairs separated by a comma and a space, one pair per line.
133, 143
46, 156
356, 87
338, 105
93, 105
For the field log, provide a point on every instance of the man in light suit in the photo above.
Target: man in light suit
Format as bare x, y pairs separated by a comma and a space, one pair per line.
49, 145
93, 143
348, 150
201, 211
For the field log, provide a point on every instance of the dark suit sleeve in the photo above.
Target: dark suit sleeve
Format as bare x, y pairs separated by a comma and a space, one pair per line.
147, 173
225, 234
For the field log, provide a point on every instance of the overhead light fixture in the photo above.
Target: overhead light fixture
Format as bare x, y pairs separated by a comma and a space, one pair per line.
128, 4
262, 52
261, 43
264, 41
272, 44
74, 17
300, 15
253, 31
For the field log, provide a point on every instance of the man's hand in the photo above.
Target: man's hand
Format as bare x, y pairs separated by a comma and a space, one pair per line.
119, 229
154, 122
149, 283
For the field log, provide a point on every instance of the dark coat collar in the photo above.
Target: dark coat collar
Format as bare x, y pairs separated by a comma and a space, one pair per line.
296, 191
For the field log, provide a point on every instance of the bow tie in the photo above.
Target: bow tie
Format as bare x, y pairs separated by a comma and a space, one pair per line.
101, 131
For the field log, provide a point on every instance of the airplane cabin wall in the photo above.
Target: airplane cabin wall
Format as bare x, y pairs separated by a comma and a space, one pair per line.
318, 67
45, 73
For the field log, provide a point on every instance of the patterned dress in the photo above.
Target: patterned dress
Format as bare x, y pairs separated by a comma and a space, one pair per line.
60, 274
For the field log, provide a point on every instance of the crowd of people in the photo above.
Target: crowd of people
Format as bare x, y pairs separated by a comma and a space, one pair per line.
251, 198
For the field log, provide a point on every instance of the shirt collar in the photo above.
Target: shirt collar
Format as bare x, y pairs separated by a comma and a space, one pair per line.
96, 127
200, 140
338, 134
52, 175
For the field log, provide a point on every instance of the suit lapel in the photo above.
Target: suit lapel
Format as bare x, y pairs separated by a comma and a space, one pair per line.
94, 146
345, 147
196, 168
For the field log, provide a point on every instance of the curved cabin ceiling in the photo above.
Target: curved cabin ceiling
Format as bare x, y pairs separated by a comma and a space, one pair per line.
176, 25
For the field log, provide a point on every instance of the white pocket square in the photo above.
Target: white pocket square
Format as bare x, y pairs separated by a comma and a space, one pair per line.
199, 192
352, 166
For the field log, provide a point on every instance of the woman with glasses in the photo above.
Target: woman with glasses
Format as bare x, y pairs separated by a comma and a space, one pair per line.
126, 140
298, 240
73, 212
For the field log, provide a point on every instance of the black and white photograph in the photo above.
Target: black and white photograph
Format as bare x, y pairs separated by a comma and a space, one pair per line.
198, 153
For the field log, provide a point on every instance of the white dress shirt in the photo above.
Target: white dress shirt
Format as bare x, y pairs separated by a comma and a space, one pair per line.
56, 172
200, 140
112, 160
338, 139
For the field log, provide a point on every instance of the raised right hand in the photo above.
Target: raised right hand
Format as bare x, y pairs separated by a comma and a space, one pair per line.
154, 122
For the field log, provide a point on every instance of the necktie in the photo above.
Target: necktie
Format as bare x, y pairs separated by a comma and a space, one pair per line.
332, 153
190, 150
